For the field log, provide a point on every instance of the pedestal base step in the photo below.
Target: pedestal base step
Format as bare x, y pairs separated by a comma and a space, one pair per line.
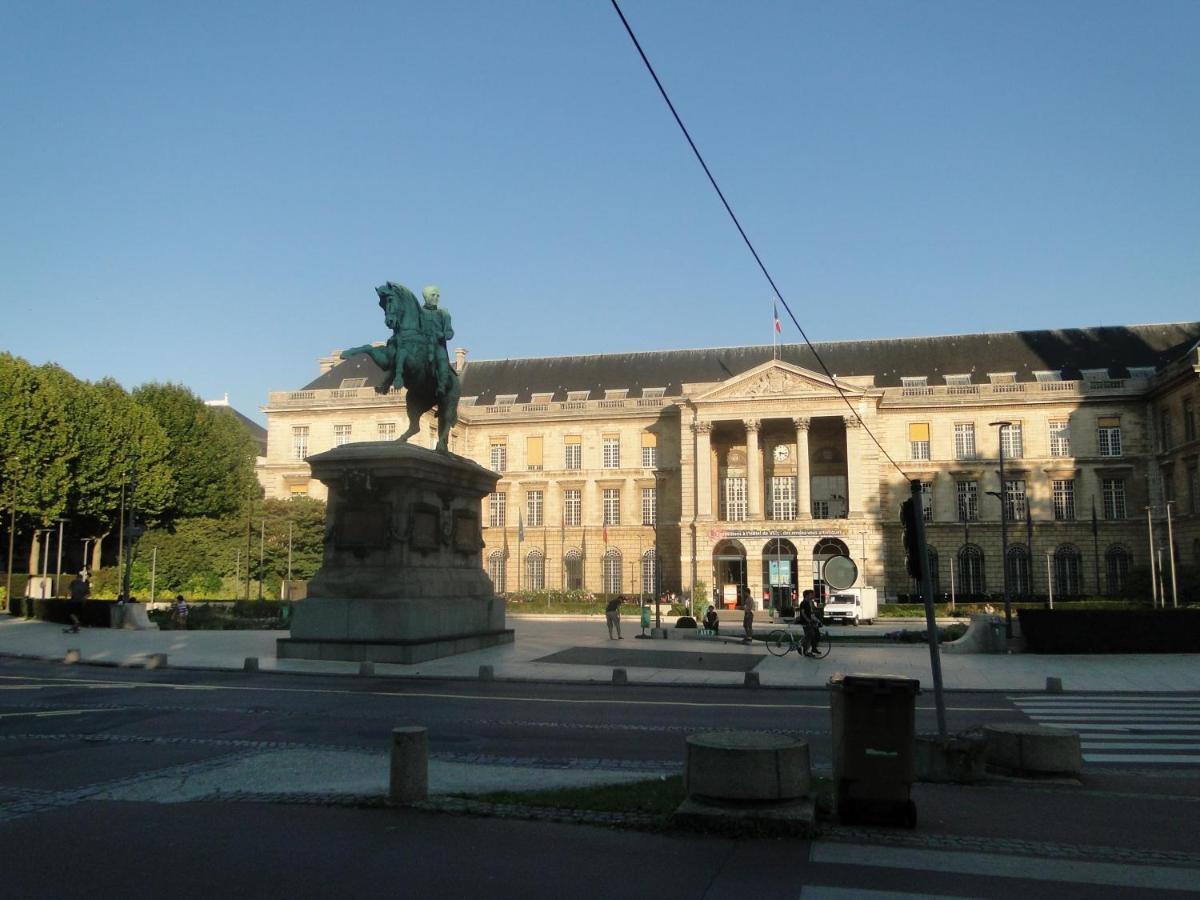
402, 652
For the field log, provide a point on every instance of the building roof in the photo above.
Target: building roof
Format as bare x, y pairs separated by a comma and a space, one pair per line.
1070, 350
256, 431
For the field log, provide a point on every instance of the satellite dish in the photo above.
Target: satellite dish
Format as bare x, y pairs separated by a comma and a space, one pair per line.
840, 572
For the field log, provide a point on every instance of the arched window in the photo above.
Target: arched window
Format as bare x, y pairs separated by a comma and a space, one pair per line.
1067, 567
496, 571
970, 571
650, 574
1116, 569
535, 571
1018, 571
611, 572
573, 569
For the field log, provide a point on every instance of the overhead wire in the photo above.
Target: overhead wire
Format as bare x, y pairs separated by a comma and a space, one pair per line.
746, 239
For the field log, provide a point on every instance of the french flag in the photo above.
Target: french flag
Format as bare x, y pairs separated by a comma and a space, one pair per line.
778, 326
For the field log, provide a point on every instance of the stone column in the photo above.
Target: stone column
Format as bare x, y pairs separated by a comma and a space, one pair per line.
754, 472
853, 467
803, 486
703, 469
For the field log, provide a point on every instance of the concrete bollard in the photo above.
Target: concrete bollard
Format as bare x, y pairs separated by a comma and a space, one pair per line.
72, 657
751, 680
487, 673
366, 667
1054, 686
156, 661
620, 676
410, 764
250, 664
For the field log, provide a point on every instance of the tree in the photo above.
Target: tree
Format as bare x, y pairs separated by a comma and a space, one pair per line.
211, 455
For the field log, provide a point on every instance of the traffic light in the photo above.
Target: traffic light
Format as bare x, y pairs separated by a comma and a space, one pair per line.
912, 544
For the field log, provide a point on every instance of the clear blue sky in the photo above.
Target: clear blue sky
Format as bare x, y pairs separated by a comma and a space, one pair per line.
208, 192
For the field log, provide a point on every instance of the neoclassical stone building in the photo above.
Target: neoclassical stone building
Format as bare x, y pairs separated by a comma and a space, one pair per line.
745, 468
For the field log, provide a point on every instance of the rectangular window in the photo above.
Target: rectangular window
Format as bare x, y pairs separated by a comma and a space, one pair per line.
1189, 420
1013, 441
1014, 507
968, 501
612, 506
499, 456
820, 509
1060, 437
1108, 436
573, 452
1165, 438
927, 501
649, 450
386, 431
964, 440
1193, 477
1114, 498
533, 453
572, 508
735, 500
783, 497
497, 509
1064, 499
649, 506
533, 509
1168, 484
918, 440
612, 452
341, 435
299, 442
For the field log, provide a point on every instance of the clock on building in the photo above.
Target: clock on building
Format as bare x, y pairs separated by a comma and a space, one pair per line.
782, 452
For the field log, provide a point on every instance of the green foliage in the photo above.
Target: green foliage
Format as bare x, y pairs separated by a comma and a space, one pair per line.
658, 795
38, 446
211, 454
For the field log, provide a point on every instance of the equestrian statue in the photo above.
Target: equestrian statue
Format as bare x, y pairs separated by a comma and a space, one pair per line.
416, 358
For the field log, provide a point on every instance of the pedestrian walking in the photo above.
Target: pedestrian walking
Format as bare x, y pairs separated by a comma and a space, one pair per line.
748, 621
612, 615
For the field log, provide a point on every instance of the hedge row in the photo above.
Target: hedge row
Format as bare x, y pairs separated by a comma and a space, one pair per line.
1111, 631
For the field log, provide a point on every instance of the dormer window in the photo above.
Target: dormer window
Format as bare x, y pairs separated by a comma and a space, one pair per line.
1048, 375
1002, 377
616, 393
650, 393
958, 380
911, 381
1141, 371
577, 396
1094, 374
505, 399
348, 383
542, 398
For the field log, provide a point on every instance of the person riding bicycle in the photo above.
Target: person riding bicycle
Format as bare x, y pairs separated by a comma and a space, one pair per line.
806, 615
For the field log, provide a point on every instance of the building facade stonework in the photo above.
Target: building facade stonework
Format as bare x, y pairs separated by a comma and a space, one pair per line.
742, 470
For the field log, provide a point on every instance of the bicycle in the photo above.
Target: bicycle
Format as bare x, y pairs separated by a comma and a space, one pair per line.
781, 642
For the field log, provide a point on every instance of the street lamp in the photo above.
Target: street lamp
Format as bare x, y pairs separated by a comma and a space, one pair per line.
1008, 633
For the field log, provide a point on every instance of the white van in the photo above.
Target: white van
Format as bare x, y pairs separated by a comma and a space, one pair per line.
852, 606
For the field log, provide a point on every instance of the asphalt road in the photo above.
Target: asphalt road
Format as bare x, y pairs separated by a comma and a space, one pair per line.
68, 732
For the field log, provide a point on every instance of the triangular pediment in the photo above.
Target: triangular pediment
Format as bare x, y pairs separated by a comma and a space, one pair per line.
778, 379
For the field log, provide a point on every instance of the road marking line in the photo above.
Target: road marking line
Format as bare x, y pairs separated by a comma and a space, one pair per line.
80, 682
1159, 758
821, 892
1113, 726
1116, 698
1005, 866
45, 714
1136, 745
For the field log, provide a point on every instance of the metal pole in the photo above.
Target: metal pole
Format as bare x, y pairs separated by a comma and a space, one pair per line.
237, 574
935, 659
46, 560
1153, 574
121, 534
58, 570
288, 592
953, 598
262, 539
1162, 588
1171, 557
1050, 580
12, 528
1008, 631
153, 572
85, 542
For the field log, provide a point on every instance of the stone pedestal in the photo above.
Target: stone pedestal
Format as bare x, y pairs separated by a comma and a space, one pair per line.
402, 579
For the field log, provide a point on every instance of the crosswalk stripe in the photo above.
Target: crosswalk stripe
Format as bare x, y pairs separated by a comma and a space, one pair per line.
1117, 698
1005, 866
1124, 729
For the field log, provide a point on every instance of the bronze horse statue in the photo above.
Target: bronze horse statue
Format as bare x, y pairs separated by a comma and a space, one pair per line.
415, 358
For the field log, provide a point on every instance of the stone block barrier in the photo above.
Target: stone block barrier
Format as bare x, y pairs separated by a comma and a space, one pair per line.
409, 782
620, 676
250, 664
746, 765
1029, 750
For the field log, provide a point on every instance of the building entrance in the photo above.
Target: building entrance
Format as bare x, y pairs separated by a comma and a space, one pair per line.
825, 550
729, 575
779, 574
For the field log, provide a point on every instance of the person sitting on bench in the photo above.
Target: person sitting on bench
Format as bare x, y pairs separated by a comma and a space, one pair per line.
711, 622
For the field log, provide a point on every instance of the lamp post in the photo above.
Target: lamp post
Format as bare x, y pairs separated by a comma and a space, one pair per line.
12, 528
58, 570
1171, 557
1008, 633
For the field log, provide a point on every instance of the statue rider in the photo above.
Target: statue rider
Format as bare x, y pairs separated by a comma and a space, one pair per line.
436, 322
